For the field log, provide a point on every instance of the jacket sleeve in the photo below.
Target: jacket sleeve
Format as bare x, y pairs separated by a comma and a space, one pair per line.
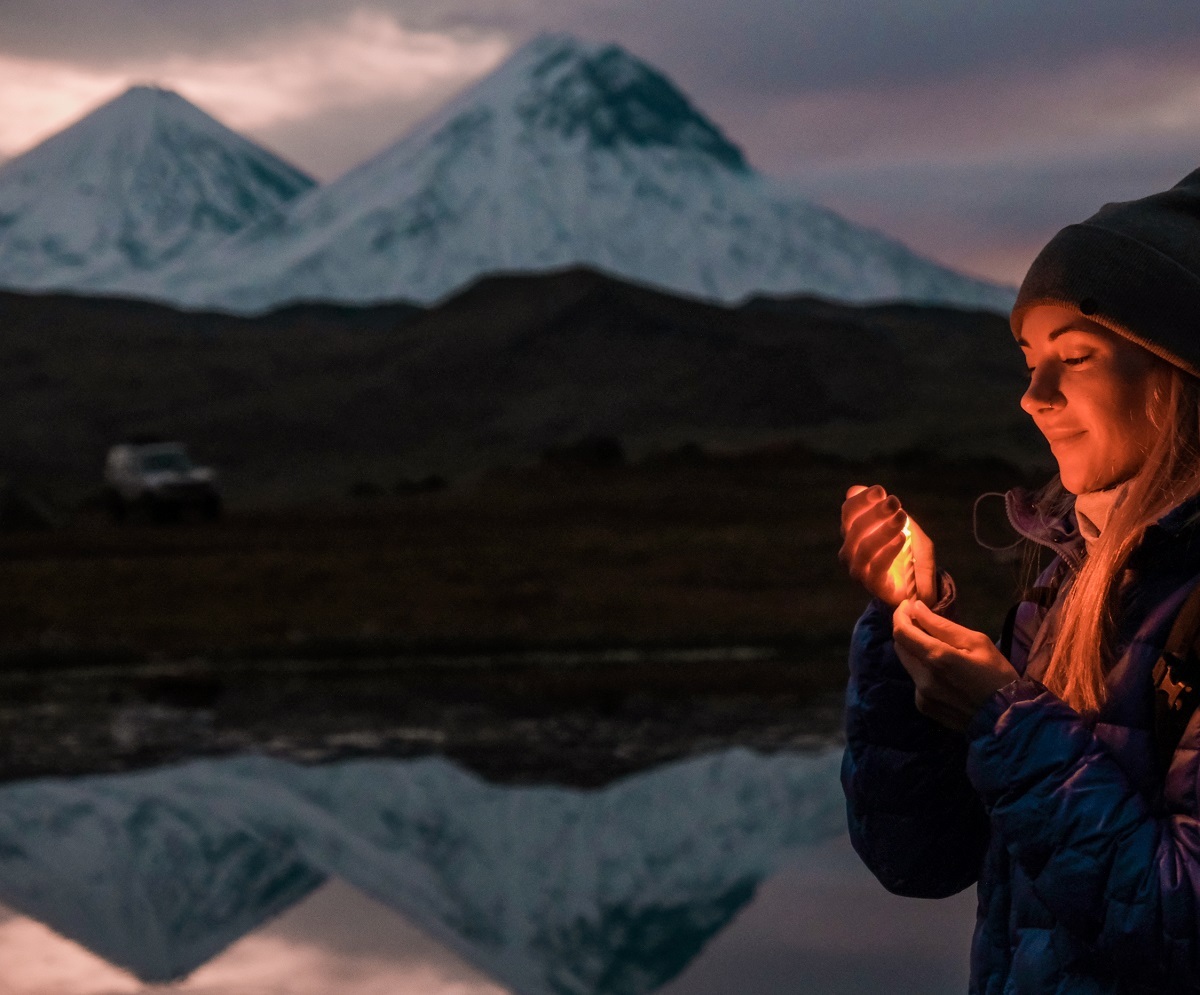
1121, 877
914, 817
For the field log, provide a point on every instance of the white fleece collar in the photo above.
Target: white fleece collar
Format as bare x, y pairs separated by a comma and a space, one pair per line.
1094, 508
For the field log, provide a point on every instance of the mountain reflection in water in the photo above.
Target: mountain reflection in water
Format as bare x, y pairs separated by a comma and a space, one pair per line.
544, 889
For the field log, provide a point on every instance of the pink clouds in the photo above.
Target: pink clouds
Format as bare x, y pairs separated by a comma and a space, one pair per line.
270, 81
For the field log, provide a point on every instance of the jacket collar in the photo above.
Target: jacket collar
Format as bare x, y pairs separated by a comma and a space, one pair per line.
1061, 533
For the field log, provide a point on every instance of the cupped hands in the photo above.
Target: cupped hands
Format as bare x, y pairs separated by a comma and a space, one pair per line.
955, 669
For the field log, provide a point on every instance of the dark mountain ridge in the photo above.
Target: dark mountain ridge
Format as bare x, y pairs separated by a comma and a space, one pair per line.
308, 400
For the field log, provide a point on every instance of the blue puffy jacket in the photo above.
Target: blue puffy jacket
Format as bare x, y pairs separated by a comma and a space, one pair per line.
1087, 857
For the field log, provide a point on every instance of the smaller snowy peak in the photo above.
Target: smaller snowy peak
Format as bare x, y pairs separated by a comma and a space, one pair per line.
146, 178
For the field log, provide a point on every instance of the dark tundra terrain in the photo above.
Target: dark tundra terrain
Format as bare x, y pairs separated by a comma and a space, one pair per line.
559, 527
570, 621
312, 400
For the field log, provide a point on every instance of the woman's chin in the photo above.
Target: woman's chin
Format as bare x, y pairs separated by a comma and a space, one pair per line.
1072, 482
1077, 483
1079, 480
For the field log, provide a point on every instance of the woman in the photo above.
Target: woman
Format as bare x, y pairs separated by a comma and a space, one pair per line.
1033, 771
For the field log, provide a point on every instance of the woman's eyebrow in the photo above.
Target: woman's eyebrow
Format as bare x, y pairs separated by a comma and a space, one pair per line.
1056, 333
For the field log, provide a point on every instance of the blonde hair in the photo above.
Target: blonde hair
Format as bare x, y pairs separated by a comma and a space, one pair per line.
1170, 475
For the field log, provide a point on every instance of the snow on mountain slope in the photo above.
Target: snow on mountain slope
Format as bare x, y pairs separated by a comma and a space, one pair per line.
567, 154
142, 180
547, 890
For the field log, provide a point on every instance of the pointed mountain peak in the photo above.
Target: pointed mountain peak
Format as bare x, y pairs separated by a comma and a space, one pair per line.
566, 89
140, 180
152, 132
613, 97
147, 98
138, 111
146, 92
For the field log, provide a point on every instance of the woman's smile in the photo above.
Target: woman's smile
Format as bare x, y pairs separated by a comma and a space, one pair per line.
1089, 394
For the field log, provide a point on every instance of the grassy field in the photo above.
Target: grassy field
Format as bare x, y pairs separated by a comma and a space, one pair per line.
677, 549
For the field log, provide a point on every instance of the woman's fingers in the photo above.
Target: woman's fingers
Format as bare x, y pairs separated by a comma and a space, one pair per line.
864, 547
907, 635
861, 500
927, 620
871, 559
879, 566
861, 518
872, 530
872, 523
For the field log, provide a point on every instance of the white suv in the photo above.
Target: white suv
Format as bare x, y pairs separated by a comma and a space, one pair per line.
158, 480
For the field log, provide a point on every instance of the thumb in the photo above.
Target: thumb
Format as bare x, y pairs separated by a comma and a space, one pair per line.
927, 620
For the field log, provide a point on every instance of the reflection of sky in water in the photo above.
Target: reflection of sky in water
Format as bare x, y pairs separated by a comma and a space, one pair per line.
608, 891
336, 942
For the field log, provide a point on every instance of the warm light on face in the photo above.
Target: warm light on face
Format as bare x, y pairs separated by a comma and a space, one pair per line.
1089, 394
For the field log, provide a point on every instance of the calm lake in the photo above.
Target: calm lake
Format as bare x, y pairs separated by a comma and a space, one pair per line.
728, 872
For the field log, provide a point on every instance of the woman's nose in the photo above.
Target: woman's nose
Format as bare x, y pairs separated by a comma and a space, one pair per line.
1042, 392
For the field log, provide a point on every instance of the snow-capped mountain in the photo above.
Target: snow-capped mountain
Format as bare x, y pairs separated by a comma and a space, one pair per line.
145, 179
551, 891
567, 154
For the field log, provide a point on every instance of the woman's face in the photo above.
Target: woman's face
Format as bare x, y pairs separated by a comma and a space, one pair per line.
1089, 394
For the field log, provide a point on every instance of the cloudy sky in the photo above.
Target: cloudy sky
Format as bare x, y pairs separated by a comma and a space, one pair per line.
970, 129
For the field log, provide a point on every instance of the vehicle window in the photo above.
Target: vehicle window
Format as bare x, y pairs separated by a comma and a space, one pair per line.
157, 462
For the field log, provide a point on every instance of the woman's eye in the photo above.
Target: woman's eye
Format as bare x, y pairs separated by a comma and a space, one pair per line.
1075, 360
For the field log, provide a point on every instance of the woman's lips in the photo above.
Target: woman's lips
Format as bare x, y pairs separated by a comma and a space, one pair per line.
1055, 438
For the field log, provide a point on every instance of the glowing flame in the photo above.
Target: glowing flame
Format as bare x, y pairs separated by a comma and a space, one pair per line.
902, 572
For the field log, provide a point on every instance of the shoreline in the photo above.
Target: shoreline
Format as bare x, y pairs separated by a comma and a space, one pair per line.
499, 651
582, 719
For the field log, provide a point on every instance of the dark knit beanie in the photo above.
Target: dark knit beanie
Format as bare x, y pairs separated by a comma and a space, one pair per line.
1133, 267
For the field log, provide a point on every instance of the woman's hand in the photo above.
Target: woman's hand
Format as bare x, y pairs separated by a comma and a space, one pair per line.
873, 536
955, 669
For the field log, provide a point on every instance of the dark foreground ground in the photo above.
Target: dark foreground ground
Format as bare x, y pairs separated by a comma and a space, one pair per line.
580, 719
568, 622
